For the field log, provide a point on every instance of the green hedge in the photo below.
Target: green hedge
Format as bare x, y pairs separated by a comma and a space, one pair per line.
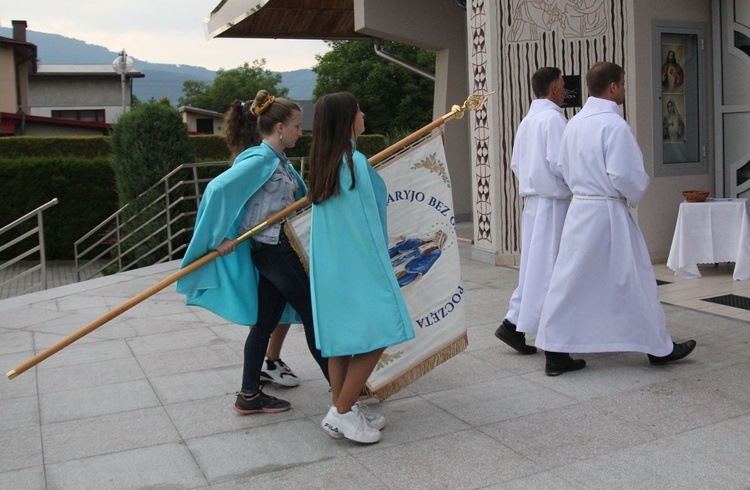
77, 171
207, 147
371, 144
210, 148
57, 146
214, 148
84, 188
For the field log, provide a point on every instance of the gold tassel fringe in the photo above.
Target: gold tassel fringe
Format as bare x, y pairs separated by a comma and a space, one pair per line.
424, 367
297, 246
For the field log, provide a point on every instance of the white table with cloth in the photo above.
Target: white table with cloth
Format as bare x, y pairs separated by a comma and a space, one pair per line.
710, 232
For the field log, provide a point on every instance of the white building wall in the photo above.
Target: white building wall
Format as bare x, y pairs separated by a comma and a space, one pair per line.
49, 93
657, 212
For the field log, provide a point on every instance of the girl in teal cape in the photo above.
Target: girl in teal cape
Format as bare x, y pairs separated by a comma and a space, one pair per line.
251, 283
358, 308
228, 286
240, 133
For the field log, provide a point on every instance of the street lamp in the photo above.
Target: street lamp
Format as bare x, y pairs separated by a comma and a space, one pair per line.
122, 65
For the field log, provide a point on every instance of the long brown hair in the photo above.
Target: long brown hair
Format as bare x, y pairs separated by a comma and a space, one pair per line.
333, 127
241, 127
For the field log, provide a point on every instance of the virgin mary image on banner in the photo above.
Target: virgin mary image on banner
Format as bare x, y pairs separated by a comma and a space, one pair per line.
413, 257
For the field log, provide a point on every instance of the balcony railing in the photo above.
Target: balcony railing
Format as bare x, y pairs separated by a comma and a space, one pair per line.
158, 231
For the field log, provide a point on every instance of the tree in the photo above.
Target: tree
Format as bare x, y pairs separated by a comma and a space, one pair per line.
394, 99
147, 143
240, 83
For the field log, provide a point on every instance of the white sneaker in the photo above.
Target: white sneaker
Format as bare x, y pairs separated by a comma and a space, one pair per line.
352, 425
373, 418
330, 429
279, 373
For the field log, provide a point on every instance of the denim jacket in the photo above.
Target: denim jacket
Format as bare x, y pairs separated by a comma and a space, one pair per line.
276, 194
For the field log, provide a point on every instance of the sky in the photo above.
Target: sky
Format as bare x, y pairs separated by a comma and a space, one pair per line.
157, 31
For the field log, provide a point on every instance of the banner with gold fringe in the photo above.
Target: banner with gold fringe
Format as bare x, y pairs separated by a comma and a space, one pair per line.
424, 252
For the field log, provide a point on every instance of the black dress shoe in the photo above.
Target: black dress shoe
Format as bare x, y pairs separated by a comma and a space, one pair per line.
507, 333
679, 351
558, 368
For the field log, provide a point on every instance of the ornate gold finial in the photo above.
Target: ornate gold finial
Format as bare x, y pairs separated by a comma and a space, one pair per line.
474, 103
260, 110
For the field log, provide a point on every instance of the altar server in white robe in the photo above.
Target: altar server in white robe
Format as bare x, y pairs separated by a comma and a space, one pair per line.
545, 201
602, 295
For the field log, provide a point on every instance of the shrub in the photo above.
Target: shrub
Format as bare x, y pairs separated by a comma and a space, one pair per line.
147, 143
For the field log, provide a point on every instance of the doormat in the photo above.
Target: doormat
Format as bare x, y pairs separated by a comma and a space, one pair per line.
731, 300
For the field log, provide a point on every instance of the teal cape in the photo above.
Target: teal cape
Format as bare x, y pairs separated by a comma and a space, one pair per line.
228, 285
357, 302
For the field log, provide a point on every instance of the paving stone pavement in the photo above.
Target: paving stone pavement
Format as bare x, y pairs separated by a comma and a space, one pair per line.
58, 273
145, 402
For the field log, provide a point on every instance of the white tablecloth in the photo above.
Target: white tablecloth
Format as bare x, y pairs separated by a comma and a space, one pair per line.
711, 232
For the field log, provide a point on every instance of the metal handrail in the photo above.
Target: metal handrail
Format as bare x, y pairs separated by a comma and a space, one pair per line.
38, 247
172, 214
116, 243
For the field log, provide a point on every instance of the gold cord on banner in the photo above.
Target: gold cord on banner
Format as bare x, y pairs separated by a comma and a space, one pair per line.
473, 103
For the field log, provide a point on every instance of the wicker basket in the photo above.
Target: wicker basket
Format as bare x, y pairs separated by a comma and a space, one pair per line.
695, 196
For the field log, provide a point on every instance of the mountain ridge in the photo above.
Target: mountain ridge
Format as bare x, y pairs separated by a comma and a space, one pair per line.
161, 80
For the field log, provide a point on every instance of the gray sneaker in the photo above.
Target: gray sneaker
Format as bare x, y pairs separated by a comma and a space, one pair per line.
259, 403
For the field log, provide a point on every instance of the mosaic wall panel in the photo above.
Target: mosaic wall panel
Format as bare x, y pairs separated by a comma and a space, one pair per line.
509, 40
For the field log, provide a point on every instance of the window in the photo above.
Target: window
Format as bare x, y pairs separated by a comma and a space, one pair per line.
679, 96
90, 115
204, 125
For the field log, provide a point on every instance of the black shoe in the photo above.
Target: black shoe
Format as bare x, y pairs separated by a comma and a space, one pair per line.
679, 351
259, 403
507, 333
569, 364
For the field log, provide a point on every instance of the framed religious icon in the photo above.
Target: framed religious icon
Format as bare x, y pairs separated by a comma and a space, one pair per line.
679, 91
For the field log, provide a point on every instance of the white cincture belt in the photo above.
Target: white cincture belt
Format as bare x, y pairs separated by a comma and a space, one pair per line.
528, 196
601, 198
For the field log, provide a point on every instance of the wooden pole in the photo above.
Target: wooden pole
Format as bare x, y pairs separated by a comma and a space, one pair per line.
150, 292
474, 102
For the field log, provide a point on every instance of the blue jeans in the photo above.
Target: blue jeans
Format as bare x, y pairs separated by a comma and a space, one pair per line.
282, 279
